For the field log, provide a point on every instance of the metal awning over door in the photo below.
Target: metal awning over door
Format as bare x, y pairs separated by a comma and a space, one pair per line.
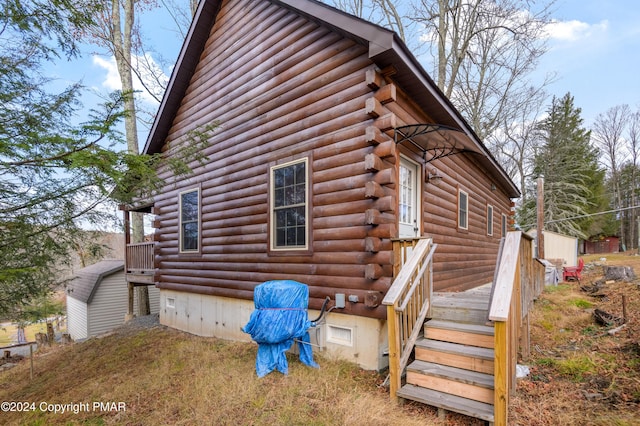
434, 141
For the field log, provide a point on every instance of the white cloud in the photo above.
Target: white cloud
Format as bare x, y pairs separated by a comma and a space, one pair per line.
112, 78
575, 30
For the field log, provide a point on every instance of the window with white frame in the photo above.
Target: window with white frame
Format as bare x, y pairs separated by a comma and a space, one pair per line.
463, 209
190, 220
289, 206
489, 219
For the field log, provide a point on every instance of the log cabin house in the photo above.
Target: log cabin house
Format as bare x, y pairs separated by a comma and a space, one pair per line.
336, 161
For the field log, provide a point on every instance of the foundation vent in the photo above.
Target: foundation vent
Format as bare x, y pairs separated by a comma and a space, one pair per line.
340, 335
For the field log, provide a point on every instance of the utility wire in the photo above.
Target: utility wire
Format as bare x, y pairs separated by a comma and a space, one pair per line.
585, 215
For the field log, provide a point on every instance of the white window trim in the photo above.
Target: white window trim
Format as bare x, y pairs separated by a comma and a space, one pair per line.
272, 231
180, 233
466, 211
489, 220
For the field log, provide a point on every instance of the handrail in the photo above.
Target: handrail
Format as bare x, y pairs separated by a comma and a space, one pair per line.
139, 256
408, 302
517, 284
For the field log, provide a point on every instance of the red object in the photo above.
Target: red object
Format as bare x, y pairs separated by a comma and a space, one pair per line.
573, 272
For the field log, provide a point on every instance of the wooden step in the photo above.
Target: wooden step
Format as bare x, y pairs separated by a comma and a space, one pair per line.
462, 333
470, 306
448, 402
451, 380
466, 357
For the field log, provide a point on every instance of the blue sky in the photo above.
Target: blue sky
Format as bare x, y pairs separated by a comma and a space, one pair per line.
594, 50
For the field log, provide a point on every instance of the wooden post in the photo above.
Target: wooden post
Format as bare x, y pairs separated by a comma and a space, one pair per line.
501, 373
126, 219
50, 333
540, 217
394, 353
31, 360
129, 315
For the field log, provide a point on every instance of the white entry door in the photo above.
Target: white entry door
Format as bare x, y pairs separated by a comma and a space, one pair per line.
409, 199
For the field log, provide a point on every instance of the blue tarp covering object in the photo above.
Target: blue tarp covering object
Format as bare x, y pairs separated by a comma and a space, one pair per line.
280, 316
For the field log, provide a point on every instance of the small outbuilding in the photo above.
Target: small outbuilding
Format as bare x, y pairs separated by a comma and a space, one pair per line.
602, 244
97, 299
557, 247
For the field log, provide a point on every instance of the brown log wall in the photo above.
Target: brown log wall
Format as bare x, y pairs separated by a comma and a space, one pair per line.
283, 88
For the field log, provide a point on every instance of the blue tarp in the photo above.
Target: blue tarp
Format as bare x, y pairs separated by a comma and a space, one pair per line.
280, 316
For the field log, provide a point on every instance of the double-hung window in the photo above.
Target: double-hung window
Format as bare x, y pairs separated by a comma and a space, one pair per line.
290, 206
190, 221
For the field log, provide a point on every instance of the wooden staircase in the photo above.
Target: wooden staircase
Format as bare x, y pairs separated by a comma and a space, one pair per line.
458, 360
454, 361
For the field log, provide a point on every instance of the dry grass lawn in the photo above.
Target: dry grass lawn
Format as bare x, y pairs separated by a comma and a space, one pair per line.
166, 377
580, 375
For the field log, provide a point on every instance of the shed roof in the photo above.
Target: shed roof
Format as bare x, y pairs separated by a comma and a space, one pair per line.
87, 280
385, 49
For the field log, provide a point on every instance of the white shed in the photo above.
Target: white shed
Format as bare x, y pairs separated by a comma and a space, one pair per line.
558, 246
97, 299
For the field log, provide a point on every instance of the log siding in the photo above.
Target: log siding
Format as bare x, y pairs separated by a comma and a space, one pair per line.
282, 87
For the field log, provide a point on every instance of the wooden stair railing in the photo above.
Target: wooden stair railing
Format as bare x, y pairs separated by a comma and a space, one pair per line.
408, 303
518, 282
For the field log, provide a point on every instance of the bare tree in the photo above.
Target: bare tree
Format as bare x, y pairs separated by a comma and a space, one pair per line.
608, 130
484, 53
381, 12
633, 137
180, 15
515, 144
114, 30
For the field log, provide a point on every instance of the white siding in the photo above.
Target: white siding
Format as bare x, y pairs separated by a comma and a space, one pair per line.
558, 246
76, 318
154, 300
109, 304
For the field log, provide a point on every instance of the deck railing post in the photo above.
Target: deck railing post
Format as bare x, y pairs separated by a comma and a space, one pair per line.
501, 374
394, 351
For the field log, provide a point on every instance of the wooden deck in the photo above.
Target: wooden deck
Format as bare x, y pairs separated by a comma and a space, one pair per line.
139, 265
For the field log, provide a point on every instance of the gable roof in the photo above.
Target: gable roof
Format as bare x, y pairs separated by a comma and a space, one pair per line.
385, 49
87, 280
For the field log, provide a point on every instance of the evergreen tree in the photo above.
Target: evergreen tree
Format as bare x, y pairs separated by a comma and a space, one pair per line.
573, 181
53, 173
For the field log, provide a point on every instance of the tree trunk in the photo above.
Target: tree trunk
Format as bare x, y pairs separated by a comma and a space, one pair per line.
122, 53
